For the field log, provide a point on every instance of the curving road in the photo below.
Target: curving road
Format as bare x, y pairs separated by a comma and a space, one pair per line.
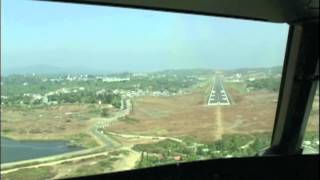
106, 144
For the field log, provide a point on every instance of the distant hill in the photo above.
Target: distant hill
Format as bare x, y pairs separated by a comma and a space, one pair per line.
47, 69
53, 70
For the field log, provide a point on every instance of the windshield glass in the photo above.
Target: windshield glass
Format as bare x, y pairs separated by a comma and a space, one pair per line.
93, 89
310, 143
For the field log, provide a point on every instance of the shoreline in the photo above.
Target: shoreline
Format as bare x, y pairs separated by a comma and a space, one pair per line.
108, 143
50, 158
18, 138
69, 140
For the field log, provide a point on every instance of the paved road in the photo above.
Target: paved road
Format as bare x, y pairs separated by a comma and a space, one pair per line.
107, 144
97, 129
218, 95
145, 137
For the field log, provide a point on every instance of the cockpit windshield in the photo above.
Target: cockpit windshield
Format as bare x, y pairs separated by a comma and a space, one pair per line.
90, 89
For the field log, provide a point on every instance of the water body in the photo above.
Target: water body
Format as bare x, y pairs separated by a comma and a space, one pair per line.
12, 150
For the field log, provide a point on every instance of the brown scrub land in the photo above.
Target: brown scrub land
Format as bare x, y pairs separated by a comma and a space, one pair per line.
60, 122
189, 115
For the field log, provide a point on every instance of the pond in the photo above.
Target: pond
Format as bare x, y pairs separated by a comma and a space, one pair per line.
13, 150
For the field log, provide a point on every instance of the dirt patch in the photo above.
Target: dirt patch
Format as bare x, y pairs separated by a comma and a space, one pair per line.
51, 122
255, 112
127, 161
188, 115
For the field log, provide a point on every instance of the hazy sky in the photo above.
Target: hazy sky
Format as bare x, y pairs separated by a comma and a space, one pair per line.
98, 37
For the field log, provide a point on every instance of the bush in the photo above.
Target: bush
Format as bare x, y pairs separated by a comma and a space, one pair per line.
236, 145
104, 112
272, 84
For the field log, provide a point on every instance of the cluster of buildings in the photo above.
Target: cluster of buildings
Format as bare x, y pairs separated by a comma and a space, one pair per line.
250, 76
234, 78
86, 78
134, 91
124, 93
140, 92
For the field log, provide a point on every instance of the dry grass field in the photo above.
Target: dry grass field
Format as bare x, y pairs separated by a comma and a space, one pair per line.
61, 122
188, 115
176, 116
